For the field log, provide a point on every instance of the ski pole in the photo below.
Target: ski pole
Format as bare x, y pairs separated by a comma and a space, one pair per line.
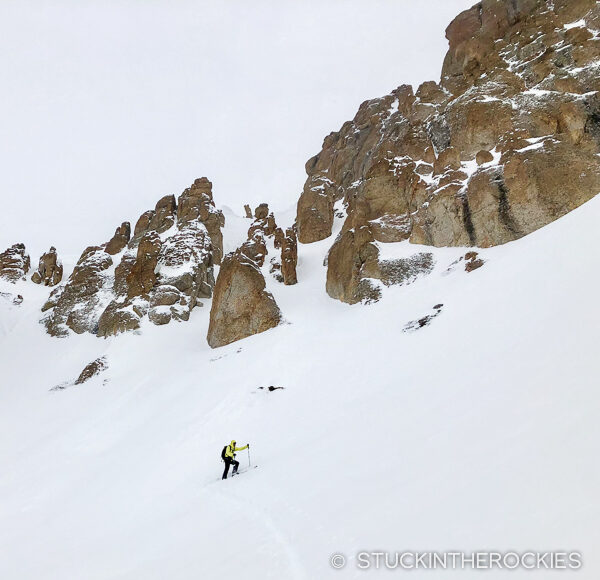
249, 462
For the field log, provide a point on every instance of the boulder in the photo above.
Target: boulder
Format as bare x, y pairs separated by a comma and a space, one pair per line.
50, 269
248, 211
241, 305
262, 211
165, 296
117, 317
472, 261
484, 157
159, 315
14, 263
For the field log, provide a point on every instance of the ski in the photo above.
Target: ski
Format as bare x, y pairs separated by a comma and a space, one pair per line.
244, 470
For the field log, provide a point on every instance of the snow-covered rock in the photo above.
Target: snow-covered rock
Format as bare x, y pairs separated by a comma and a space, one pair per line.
14, 263
114, 286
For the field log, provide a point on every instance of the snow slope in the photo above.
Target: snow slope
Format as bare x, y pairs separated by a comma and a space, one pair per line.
479, 431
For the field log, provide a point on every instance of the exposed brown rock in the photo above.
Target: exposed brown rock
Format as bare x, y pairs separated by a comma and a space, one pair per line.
78, 304
472, 261
165, 296
516, 81
278, 238
355, 268
159, 316
248, 211
122, 272
265, 225
447, 159
196, 203
289, 257
275, 269
163, 272
255, 249
91, 370
315, 210
164, 214
14, 263
241, 305
484, 157
50, 269
142, 277
271, 225
345, 261
116, 318
120, 240
262, 211
143, 223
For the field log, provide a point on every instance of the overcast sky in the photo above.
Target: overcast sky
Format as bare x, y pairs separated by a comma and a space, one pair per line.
106, 106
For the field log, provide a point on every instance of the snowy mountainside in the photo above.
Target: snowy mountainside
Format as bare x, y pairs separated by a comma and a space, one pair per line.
476, 430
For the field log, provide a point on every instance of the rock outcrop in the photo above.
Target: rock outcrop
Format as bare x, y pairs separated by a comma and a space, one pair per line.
289, 257
77, 304
162, 271
14, 263
50, 269
91, 370
196, 204
120, 240
142, 276
356, 270
241, 305
507, 142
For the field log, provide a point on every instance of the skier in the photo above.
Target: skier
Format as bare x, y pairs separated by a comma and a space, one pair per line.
228, 456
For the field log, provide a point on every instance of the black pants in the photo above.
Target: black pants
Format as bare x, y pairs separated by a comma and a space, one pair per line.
228, 462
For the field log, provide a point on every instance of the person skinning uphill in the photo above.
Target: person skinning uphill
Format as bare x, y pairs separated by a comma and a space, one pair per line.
228, 456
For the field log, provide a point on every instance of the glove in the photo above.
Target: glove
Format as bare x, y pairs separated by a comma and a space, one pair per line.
248, 445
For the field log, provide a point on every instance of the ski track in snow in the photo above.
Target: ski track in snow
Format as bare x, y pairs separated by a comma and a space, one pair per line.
244, 504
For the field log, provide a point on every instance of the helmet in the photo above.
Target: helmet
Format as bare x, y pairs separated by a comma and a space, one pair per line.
233, 442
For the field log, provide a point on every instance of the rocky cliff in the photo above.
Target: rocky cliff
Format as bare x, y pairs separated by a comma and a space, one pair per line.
162, 271
505, 143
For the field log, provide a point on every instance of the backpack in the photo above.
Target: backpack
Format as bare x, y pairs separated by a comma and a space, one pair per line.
223, 453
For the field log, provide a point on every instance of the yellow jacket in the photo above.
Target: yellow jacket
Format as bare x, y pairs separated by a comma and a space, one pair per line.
231, 449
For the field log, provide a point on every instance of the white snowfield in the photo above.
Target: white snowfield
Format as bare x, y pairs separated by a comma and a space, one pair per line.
479, 431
